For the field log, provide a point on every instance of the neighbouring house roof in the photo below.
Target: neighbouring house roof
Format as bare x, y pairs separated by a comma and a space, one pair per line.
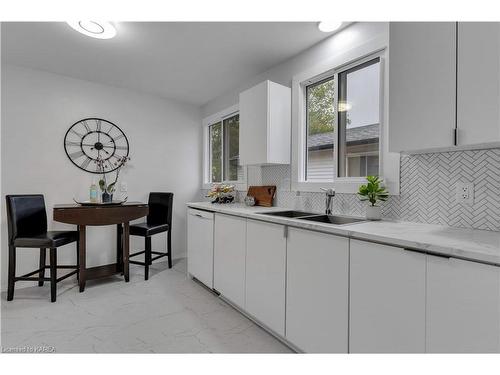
355, 136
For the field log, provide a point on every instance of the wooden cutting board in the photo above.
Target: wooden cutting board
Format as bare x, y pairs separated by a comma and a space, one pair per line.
263, 195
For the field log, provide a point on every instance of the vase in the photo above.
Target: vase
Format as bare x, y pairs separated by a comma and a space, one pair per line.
373, 213
106, 197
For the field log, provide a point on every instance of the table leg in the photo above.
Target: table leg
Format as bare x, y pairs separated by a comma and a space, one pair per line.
82, 257
126, 250
119, 248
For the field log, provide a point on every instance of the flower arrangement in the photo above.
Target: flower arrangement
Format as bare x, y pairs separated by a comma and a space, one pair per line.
222, 193
109, 189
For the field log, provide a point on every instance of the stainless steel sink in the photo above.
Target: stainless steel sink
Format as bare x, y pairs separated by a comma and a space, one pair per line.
332, 219
291, 213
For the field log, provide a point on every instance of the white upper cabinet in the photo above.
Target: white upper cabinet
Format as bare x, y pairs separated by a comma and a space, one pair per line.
463, 306
265, 274
265, 124
317, 291
422, 85
478, 90
387, 299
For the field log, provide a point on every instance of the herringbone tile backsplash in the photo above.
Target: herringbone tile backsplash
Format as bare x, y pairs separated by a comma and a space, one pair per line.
427, 191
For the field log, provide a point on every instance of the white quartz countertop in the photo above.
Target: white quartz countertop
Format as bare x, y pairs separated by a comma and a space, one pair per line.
472, 244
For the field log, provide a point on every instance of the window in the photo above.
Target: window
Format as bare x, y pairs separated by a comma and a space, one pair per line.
223, 147
358, 112
342, 123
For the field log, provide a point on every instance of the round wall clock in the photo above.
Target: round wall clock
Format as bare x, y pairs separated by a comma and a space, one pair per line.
94, 139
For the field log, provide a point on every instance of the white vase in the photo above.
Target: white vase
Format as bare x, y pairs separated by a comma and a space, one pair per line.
373, 213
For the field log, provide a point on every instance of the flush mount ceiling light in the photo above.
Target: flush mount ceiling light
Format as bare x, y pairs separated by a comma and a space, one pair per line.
94, 29
329, 26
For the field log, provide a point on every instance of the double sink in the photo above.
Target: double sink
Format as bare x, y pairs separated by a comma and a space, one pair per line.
328, 219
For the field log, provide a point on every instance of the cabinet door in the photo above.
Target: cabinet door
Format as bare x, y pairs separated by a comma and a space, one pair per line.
317, 291
254, 125
422, 84
200, 246
387, 299
463, 306
478, 93
229, 257
265, 274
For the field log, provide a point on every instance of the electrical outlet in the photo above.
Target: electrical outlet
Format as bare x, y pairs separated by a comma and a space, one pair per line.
123, 187
465, 192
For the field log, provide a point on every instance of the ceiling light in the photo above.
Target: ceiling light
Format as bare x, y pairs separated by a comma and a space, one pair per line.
329, 26
94, 29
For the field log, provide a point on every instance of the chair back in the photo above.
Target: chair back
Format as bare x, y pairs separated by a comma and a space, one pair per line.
26, 215
160, 208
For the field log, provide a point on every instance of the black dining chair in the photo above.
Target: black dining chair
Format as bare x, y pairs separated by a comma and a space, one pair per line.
27, 227
159, 220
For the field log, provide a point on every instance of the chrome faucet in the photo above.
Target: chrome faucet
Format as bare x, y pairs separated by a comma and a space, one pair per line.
329, 194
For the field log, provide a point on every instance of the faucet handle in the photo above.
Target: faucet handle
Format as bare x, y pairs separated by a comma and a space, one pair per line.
330, 191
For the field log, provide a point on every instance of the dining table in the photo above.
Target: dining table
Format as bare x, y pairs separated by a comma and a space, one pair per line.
99, 215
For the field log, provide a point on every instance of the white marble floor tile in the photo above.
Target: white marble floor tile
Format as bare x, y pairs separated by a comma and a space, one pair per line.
169, 313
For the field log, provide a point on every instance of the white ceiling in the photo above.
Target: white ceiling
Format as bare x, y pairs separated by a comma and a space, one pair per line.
192, 62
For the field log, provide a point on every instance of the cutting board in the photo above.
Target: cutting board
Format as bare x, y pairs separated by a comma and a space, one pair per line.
263, 195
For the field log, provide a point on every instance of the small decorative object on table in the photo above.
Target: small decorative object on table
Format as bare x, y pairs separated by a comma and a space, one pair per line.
222, 193
373, 192
108, 189
249, 201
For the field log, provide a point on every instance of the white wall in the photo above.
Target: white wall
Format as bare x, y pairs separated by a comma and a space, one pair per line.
38, 108
355, 34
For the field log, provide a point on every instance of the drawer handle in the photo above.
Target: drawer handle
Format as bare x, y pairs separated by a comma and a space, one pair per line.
202, 217
426, 252
440, 255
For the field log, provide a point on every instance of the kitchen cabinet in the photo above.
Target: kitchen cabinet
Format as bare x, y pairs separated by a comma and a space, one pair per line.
229, 257
265, 124
463, 306
317, 291
422, 85
387, 299
200, 247
265, 274
478, 83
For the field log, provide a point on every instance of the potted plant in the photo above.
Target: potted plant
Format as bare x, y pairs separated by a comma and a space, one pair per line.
373, 192
109, 189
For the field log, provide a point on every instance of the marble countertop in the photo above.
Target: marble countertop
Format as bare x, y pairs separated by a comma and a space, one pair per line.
472, 244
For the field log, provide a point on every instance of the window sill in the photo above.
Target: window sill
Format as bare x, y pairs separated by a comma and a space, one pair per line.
238, 185
343, 186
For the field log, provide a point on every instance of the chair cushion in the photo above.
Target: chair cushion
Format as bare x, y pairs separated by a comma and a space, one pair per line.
48, 239
145, 229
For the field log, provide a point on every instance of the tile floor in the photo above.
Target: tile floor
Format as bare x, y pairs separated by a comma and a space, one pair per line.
167, 314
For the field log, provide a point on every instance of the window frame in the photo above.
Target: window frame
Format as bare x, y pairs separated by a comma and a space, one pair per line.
240, 185
388, 162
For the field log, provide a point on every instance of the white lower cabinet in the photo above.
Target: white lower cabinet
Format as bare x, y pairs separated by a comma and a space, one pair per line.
328, 294
265, 274
200, 245
387, 299
463, 306
317, 291
229, 257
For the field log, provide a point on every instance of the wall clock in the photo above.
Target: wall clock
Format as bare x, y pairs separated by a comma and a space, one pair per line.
92, 139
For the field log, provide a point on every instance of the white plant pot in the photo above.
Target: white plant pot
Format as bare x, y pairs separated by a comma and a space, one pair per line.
373, 213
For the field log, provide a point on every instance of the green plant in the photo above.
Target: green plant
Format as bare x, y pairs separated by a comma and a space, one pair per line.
373, 191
